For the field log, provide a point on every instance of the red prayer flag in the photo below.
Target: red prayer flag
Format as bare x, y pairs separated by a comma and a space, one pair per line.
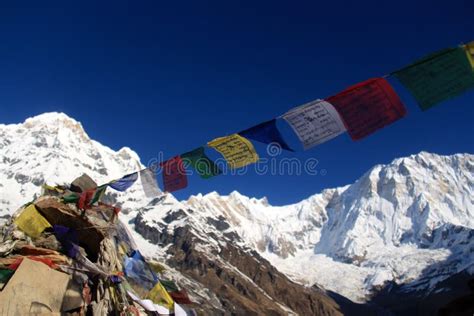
84, 200
367, 107
174, 177
46, 261
180, 297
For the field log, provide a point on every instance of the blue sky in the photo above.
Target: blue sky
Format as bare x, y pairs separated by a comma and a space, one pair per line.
161, 76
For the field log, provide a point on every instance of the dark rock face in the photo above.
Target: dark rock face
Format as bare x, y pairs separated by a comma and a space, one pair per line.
453, 296
220, 224
243, 281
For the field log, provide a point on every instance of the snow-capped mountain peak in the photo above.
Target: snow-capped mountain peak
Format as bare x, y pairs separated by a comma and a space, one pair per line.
54, 148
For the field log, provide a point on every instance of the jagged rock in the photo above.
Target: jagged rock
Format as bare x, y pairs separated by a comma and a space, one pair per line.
57, 213
83, 183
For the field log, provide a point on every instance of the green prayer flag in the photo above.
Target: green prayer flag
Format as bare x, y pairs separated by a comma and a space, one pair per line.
99, 192
71, 198
438, 77
5, 275
201, 163
169, 286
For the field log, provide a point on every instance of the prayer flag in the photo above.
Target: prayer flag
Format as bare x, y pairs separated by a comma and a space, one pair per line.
125, 182
137, 270
470, 53
179, 311
98, 194
68, 238
158, 295
438, 77
170, 286
315, 122
367, 107
174, 177
71, 198
180, 297
149, 305
85, 199
150, 186
5, 275
201, 163
237, 150
31, 222
267, 133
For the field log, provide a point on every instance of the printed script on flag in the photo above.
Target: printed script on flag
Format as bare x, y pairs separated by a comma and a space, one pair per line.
237, 151
174, 177
438, 77
315, 122
367, 107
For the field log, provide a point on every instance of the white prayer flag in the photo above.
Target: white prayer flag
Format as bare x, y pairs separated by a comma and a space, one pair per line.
149, 305
178, 310
315, 122
150, 186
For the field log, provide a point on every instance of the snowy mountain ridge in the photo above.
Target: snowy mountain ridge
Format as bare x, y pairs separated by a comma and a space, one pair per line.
390, 225
407, 221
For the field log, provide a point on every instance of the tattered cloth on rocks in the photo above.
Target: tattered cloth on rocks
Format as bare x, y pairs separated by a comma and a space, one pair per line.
76, 261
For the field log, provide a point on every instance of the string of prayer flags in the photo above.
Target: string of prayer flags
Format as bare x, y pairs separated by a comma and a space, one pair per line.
198, 159
315, 123
438, 77
236, 150
367, 107
125, 182
31, 222
149, 184
174, 177
361, 110
470, 53
267, 133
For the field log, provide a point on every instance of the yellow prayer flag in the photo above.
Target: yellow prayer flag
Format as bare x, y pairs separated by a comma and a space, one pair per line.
470, 53
238, 151
31, 221
159, 295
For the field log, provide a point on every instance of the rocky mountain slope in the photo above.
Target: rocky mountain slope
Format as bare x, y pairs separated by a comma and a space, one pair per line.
406, 226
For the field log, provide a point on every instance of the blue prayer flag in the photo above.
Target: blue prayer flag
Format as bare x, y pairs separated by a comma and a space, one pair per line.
125, 182
136, 269
267, 133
